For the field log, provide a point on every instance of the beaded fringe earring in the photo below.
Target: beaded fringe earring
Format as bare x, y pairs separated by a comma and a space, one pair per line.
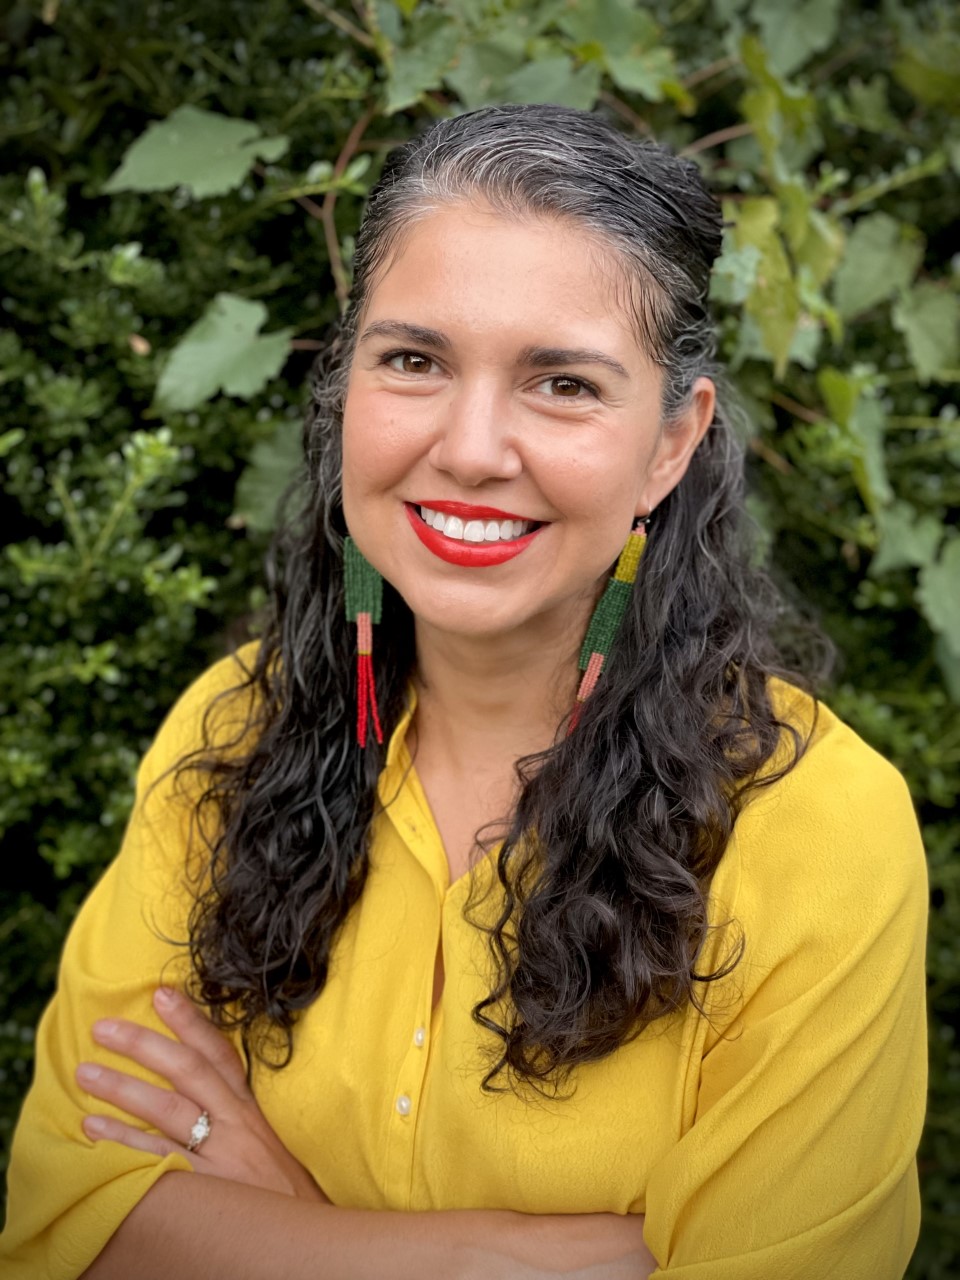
607, 616
363, 590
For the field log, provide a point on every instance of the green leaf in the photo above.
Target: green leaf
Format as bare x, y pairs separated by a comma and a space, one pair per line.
421, 67
866, 106
273, 465
938, 593
619, 26
772, 301
735, 273
482, 68
207, 153
554, 80
930, 69
949, 664
815, 241
853, 406
625, 39
881, 258
222, 352
929, 319
794, 32
646, 73
783, 116
10, 439
907, 538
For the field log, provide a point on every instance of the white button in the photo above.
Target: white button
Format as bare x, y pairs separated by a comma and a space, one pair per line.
419, 1036
403, 1104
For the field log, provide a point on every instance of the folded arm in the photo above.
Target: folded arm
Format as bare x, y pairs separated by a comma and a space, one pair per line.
196, 1227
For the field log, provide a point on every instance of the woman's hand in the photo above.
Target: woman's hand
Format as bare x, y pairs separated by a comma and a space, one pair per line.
207, 1075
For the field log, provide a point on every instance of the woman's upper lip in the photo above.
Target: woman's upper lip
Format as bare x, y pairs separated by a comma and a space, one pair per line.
468, 511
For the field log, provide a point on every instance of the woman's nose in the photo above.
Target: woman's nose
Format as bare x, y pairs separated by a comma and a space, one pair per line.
474, 440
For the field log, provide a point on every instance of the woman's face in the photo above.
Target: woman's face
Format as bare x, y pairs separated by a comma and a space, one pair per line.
497, 379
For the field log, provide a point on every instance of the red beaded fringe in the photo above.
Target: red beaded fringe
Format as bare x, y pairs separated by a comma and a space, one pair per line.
587, 685
366, 685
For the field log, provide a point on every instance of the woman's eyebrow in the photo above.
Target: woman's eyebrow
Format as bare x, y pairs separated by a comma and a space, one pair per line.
415, 333
548, 357
531, 357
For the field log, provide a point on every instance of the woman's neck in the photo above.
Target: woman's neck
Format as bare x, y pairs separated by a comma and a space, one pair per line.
484, 699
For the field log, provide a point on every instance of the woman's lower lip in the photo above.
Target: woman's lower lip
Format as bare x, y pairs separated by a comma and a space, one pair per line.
474, 555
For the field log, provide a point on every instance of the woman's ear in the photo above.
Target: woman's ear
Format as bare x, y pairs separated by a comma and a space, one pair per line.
677, 443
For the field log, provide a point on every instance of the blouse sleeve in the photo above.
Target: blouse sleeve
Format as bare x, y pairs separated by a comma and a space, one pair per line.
66, 1194
800, 1163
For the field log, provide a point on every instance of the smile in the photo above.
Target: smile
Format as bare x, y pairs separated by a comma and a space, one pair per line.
488, 538
452, 526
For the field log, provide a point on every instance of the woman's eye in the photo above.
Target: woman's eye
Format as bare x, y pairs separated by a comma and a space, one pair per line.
408, 362
562, 387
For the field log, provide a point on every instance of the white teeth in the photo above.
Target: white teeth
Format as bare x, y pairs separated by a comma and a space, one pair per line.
474, 530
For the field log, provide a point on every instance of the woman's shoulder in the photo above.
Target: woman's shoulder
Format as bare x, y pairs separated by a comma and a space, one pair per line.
830, 844
834, 766
214, 710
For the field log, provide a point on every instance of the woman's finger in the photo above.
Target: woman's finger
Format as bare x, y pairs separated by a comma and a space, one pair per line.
194, 1028
109, 1129
182, 1065
164, 1109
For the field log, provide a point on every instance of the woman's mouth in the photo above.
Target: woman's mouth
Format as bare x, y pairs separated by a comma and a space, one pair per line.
454, 526
471, 537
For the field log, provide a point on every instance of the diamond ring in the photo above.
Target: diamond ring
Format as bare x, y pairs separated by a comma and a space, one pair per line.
200, 1131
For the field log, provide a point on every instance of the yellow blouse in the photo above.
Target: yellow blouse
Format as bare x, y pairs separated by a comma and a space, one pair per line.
777, 1139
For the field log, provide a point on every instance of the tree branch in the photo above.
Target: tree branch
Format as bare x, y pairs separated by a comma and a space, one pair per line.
710, 70
715, 139
625, 112
340, 21
341, 283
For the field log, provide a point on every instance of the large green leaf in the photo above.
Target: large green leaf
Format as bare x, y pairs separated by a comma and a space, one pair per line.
273, 465
554, 80
481, 69
907, 538
647, 72
794, 32
207, 153
929, 319
930, 68
854, 407
619, 26
881, 258
939, 595
772, 301
783, 115
419, 67
223, 351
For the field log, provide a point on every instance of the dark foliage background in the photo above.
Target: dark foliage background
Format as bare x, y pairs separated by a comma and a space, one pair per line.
160, 308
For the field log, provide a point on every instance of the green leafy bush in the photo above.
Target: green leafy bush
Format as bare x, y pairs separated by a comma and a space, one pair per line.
181, 184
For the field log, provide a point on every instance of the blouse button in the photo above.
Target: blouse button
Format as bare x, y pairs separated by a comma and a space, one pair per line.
403, 1104
419, 1036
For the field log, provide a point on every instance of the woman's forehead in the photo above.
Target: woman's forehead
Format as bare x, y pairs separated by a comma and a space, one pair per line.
483, 269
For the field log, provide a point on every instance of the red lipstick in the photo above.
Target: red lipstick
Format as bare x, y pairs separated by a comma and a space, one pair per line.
470, 555
468, 512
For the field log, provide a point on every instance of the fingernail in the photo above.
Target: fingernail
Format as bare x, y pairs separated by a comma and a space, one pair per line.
94, 1124
105, 1027
166, 995
88, 1071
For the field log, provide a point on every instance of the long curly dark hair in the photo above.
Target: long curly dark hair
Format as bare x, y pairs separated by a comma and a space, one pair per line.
604, 913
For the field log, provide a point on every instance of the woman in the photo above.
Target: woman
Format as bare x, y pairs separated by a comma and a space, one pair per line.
609, 967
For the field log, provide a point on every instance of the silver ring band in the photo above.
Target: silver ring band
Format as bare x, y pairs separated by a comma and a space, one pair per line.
200, 1131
